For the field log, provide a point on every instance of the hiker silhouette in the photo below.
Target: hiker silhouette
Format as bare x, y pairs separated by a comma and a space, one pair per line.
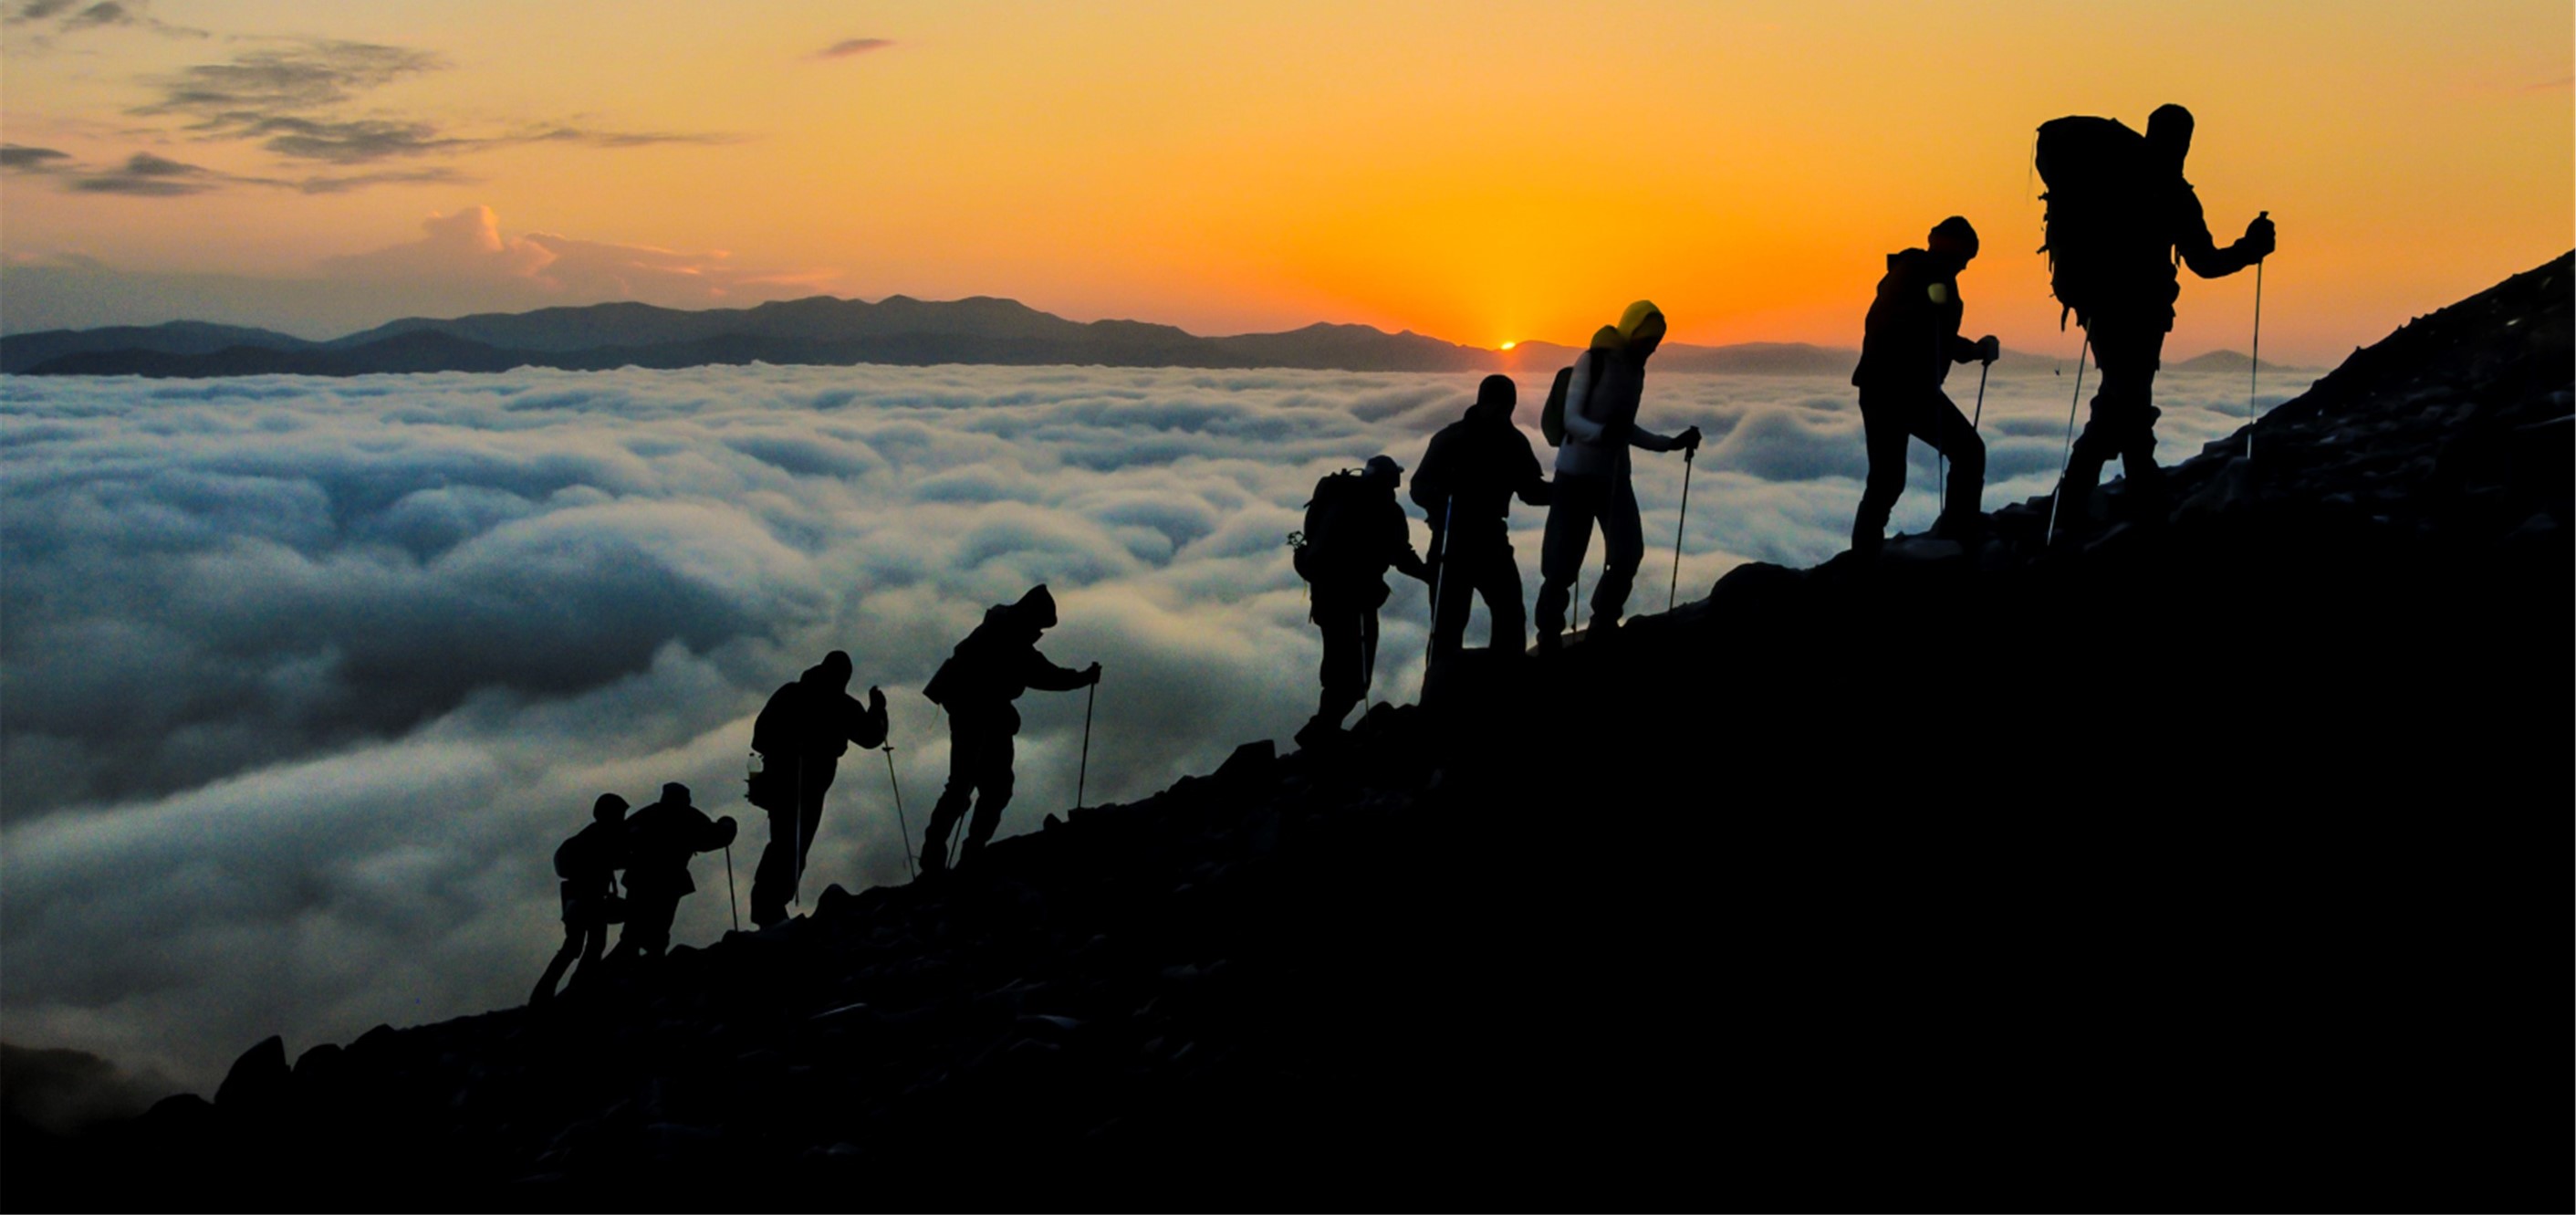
1592, 484
1354, 532
588, 864
1468, 476
660, 839
1908, 342
2120, 216
801, 734
989, 670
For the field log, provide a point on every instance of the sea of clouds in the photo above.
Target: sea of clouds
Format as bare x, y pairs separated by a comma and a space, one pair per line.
301, 680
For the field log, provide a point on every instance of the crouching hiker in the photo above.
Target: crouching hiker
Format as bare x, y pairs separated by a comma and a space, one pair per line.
660, 839
588, 864
1354, 532
989, 670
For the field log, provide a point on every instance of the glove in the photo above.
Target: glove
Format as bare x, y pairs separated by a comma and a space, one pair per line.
2259, 236
724, 832
876, 699
1988, 349
1690, 439
1094, 672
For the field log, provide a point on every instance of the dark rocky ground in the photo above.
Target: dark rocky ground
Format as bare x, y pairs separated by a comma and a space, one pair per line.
2231, 871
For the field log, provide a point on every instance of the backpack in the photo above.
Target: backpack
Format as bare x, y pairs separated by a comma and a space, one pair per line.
1551, 416
1331, 515
965, 669
577, 859
2095, 172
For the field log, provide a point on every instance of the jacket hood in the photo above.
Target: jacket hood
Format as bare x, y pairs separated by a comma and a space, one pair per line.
1641, 321
833, 672
1495, 398
1035, 609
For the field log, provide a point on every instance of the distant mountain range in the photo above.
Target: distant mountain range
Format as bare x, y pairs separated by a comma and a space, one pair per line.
821, 330
826, 331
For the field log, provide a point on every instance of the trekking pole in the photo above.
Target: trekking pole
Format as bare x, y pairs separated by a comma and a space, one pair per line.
1083, 777
1981, 396
1674, 587
908, 866
733, 902
2059, 494
2254, 374
1940, 458
1439, 583
796, 833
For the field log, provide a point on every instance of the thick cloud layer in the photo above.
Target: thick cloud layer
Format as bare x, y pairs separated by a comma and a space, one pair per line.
304, 678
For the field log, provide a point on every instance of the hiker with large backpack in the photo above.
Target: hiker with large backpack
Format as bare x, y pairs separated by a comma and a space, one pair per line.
1468, 477
660, 840
1908, 343
588, 863
988, 670
800, 735
1354, 532
2120, 219
1598, 426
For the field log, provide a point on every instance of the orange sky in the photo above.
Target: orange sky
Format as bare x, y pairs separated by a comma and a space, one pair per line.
1481, 172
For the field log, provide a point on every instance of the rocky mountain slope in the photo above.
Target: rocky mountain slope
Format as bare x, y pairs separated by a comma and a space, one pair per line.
2210, 859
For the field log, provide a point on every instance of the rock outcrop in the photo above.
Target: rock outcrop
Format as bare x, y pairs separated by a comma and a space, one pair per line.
2219, 858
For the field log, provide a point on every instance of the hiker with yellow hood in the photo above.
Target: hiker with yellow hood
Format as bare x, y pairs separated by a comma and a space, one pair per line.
1592, 473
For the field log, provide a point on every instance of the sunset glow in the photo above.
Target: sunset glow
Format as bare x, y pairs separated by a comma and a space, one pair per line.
1448, 169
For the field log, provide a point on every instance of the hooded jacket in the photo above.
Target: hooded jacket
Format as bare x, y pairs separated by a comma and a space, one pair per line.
815, 716
1473, 468
660, 839
1911, 336
1000, 660
1601, 401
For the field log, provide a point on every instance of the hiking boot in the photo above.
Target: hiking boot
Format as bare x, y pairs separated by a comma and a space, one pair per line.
1550, 641
1965, 531
934, 858
1317, 732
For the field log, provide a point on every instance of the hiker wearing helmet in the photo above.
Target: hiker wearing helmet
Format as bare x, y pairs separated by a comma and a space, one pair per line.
2120, 217
660, 839
801, 735
588, 864
989, 670
1465, 485
1592, 484
1907, 346
1354, 532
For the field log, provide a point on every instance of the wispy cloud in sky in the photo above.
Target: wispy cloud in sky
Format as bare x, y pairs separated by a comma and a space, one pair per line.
463, 261
299, 101
849, 47
75, 16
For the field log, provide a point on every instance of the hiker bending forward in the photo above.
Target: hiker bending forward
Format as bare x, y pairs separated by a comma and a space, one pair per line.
588, 864
1592, 473
989, 670
660, 839
1466, 482
1354, 532
801, 735
1907, 346
2122, 287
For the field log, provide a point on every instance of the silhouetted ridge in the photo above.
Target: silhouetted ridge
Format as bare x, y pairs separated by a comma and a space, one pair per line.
817, 331
2224, 855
